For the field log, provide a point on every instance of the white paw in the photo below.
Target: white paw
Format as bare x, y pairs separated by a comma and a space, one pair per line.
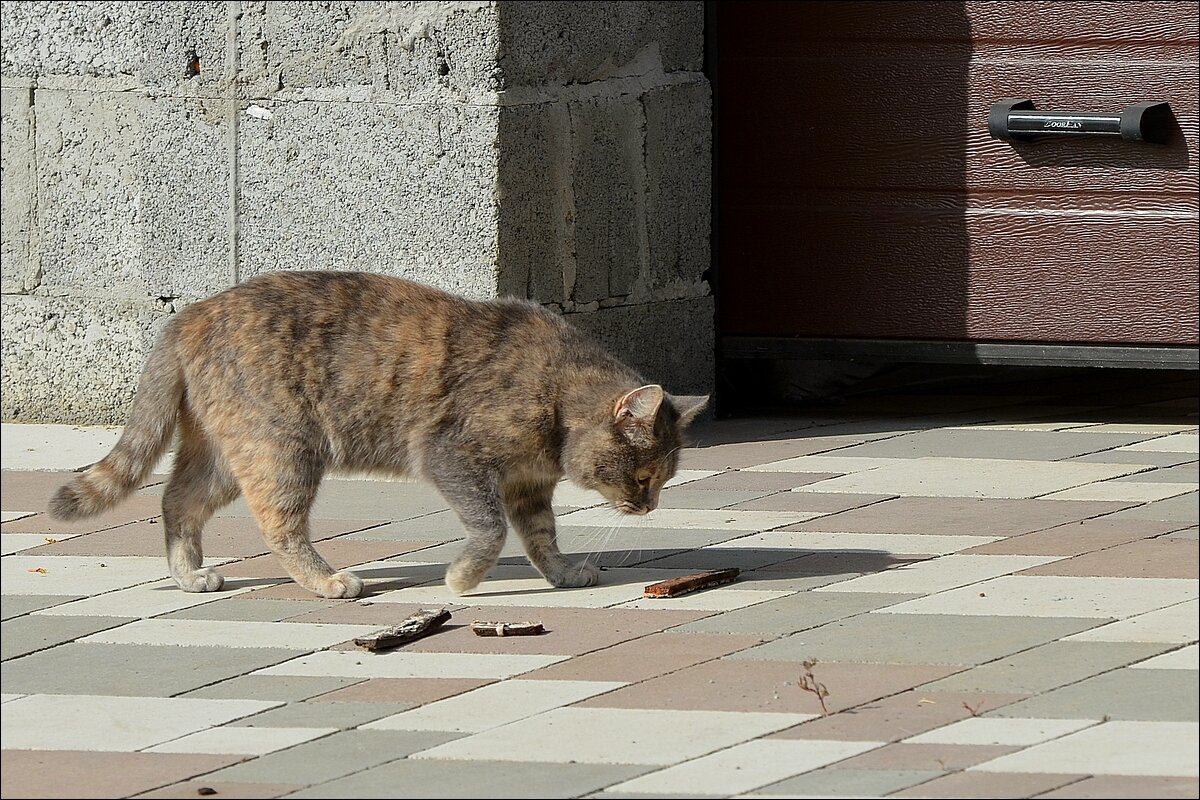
462, 580
340, 584
204, 579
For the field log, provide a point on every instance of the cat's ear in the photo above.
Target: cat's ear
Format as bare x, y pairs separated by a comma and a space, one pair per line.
689, 407
639, 407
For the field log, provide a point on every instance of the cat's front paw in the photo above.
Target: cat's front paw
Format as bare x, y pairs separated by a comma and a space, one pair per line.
340, 584
204, 579
574, 576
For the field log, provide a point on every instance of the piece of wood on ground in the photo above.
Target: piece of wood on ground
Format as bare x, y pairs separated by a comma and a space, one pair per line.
691, 583
413, 627
507, 628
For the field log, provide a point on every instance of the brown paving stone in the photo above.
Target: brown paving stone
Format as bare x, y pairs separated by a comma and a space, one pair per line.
985, 784
29, 490
897, 717
647, 657
1125, 786
74, 773
749, 454
959, 516
569, 631
741, 685
946, 757
132, 509
1149, 558
1075, 538
811, 502
247, 791
414, 691
340, 553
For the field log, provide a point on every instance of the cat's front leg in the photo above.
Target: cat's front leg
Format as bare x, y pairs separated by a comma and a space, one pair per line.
475, 499
529, 508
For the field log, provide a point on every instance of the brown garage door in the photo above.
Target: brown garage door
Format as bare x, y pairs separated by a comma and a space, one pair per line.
860, 195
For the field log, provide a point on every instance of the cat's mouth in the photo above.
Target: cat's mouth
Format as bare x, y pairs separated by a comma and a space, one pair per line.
630, 508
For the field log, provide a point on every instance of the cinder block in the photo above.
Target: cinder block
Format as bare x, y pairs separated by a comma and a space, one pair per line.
547, 42
534, 189
101, 39
678, 183
18, 263
393, 189
74, 360
167, 45
134, 193
186, 46
607, 182
418, 51
669, 342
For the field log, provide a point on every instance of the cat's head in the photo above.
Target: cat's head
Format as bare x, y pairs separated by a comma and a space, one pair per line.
634, 450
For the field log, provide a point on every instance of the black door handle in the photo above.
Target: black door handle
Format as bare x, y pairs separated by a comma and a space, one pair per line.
1015, 119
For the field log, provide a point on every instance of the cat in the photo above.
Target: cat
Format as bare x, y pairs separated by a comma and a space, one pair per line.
280, 379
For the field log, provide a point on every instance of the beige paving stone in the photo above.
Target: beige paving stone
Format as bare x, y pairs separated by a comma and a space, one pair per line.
1001, 731
903, 543
112, 723
67, 773
242, 740
493, 705
1119, 747
229, 633
1052, 596
938, 574
75, 575
399, 691
751, 686
24, 542
614, 736
1184, 658
744, 767
1171, 443
1133, 491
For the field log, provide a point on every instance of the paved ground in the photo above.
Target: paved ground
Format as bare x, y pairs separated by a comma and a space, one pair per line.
999, 593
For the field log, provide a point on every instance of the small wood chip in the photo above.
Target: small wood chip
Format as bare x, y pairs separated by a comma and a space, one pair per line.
691, 583
507, 628
413, 627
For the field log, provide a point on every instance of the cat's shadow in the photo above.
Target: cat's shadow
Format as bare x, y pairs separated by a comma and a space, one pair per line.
758, 566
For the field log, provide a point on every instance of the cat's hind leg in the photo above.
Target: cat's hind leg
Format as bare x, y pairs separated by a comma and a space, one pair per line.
199, 485
530, 510
280, 487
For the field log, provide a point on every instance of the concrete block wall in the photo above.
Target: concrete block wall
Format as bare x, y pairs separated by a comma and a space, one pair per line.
154, 153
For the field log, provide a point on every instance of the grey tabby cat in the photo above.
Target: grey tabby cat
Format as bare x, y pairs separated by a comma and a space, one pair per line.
276, 381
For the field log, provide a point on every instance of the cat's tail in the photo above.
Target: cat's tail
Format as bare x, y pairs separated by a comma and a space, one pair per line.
145, 438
